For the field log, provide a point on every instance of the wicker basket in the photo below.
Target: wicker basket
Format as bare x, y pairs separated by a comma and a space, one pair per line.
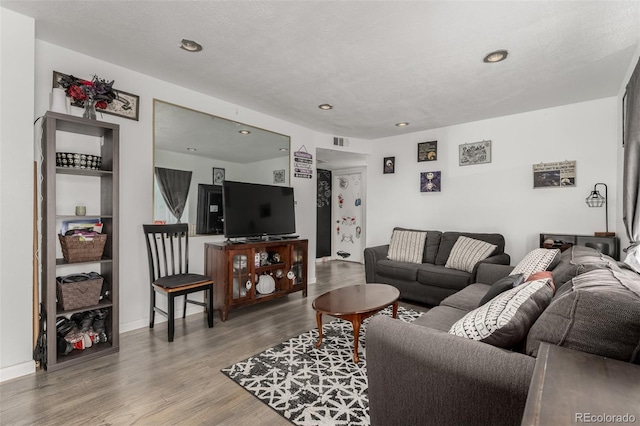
76, 248
78, 294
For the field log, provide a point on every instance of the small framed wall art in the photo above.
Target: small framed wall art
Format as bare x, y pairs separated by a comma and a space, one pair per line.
389, 165
428, 151
474, 153
430, 181
278, 176
218, 176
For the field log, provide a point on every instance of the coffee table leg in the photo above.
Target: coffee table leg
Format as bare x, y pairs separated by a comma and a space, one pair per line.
319, 320
395, 309
356, 336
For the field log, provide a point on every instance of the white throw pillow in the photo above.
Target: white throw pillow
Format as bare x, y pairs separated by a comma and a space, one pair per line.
407, 246
537, 260
466, 252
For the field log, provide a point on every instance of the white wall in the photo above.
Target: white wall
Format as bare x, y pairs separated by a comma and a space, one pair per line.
499, 196
16, 187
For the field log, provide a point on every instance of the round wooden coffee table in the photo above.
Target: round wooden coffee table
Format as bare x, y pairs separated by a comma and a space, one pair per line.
355, 303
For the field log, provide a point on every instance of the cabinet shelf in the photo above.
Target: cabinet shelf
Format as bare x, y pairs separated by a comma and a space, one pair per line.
76, 356
82, 172
57, 130
270, 268
60, 261
103, 304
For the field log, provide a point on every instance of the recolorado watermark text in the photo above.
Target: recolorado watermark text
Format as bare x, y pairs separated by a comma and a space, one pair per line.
604, 418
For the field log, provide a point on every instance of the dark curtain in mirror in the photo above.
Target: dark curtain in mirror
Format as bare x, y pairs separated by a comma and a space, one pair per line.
174, 186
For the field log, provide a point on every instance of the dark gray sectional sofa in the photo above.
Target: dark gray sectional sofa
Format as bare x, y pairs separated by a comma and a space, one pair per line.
429, 282
420, 374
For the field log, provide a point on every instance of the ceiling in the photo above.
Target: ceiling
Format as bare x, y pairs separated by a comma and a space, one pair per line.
377, 62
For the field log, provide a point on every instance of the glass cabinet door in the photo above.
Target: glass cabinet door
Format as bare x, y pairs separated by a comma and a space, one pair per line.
241, 275
297, 264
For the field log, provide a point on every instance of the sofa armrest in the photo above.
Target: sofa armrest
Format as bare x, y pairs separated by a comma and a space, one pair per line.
371, 257
498, 259
420, 376
489, 273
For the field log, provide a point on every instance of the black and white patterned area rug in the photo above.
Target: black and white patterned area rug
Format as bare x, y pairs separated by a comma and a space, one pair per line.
310, 386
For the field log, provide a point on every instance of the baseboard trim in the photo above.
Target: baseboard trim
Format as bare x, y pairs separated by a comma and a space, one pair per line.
17, 370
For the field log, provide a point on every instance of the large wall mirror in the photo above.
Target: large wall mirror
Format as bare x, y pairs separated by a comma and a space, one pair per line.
194, 151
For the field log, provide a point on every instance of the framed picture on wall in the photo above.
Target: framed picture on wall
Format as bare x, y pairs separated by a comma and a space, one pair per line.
218, 176
125, 105
474, 153
431, 181
389, 165
428, 151
278, 176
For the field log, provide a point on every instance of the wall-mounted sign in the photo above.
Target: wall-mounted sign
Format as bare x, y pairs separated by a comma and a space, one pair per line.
302, 163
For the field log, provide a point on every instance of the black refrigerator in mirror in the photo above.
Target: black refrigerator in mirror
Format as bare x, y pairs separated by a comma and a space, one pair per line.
210, 214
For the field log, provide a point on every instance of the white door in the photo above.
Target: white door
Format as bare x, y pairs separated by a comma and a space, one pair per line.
348, 194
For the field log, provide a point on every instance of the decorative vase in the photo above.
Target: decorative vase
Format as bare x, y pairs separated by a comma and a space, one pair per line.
89, 109
59, 101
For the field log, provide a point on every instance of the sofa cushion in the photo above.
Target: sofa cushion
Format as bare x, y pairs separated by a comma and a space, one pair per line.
407, 246
578, 260
466, 252
440, 318
505, 320
596, 312
400, 270
502, 285
439, 276
467, 298
449, 239
537, 260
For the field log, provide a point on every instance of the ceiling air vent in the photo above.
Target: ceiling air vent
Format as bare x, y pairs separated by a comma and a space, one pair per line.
340, 141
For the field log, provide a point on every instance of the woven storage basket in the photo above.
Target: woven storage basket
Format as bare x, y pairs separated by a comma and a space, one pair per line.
78, 249
78, 294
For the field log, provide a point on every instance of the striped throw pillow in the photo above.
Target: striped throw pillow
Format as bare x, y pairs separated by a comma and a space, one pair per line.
407, 246
466, 252
536, 261
506, 319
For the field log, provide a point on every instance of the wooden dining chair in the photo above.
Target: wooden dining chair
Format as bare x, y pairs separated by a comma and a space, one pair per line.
168, 251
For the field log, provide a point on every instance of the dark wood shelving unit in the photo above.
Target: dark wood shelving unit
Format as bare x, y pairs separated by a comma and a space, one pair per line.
235, 268
107, 136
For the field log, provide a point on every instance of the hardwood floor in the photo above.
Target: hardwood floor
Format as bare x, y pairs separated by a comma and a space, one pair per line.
153, 382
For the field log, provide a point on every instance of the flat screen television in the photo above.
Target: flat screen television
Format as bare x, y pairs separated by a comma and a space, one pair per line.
254, 210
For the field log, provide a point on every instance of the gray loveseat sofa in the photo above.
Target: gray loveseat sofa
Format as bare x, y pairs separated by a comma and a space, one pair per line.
429, 282
419, 374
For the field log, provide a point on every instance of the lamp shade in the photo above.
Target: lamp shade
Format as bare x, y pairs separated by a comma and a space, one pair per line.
595, 199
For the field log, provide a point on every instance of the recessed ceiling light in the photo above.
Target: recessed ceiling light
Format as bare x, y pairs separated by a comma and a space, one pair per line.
192, 149
403, 124
497, 56
283, 149
189, 45
244, 131
325, 106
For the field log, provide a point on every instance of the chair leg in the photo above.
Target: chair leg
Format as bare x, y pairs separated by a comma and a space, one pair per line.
171, 309
152, 306
184, 307
209, 296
